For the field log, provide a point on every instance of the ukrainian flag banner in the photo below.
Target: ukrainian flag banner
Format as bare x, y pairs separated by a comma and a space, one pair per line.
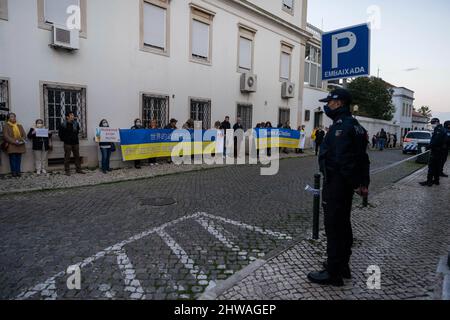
267, 138
147, 144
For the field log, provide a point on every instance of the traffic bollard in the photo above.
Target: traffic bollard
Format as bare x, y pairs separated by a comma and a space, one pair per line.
316, 207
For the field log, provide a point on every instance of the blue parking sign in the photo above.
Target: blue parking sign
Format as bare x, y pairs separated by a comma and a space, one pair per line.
346, 53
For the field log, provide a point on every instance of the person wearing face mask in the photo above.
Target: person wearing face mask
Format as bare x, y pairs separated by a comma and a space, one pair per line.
345, 165
137, 126
15, 139
105, 149
437, 149
41, 147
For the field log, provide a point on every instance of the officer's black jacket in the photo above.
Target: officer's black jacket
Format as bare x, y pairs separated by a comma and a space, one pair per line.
344, 150
439, 139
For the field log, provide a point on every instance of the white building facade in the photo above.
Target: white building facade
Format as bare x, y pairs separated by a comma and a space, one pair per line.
403, 100
312, 115
151, 59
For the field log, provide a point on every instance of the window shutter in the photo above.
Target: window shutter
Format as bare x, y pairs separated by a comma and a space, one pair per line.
285, 65
200, 39
154, 26
245, 53
55, 11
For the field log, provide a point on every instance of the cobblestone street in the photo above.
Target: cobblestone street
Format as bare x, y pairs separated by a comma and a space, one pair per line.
222, 221
403, 235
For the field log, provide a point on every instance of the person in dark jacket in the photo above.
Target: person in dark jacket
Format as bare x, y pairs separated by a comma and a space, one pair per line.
447, 148
345, 165
238, 126
137, 126
172, 125
437, 147
320, 135
382, 139
41, 146
69, 134
105, 149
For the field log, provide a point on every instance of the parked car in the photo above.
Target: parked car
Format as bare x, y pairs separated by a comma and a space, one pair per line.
413, 139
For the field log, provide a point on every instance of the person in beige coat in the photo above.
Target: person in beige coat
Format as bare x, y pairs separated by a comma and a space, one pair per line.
15, 139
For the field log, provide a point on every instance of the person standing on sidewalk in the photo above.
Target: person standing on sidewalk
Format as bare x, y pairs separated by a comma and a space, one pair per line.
69, 134
15, 139
382, 138
345, 164
137, 126
106, 149
437, 147
445, 158
41, 147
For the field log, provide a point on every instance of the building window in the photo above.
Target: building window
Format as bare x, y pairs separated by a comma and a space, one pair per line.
59, 101
201, 111
52, 12
245, 112
155, 108
246, 49
284, 115
4, 9
4, 103
286, 61
155, 26
288, 6
307, 115
313, 67
201, 34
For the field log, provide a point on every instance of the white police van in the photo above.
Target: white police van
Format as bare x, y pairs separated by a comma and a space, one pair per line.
413, 139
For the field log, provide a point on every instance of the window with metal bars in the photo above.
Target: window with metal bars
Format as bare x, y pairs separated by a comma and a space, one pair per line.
245, 112
4, 103
284, 115
201, 111
59, 101
155, 108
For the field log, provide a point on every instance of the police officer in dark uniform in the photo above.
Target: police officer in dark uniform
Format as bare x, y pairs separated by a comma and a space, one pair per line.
345, 165
437, 148
444, 160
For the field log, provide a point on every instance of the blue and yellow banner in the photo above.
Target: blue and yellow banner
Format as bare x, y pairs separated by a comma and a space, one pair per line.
146, 144
286, 138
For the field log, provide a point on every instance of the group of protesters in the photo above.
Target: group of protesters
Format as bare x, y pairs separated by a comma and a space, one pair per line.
384, 140
15, 140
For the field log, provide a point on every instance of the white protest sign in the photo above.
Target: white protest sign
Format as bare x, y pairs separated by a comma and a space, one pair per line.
41, 133
220, 141
108, 135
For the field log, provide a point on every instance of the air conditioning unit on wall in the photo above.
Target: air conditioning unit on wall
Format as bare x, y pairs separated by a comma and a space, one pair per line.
287, 90
248, 82
65, 38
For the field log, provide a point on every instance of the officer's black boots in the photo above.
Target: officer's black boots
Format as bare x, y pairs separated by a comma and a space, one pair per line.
443, 175
324, 278
346, 272
430, 182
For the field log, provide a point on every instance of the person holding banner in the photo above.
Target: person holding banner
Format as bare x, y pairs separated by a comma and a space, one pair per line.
137, 126
42, 144
105, 149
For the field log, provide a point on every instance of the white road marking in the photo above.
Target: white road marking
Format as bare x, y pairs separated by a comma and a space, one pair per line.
132, 284
278, 235
182, 255
212, 229
47, 289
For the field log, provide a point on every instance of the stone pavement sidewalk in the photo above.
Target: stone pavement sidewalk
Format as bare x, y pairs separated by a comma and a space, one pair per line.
57, 180
404, 232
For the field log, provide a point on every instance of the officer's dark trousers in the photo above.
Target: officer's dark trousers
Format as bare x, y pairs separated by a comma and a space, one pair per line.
444, 160
435, 165
337, 204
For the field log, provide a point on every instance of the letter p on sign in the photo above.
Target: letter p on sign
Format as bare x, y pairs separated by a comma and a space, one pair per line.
336, 50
